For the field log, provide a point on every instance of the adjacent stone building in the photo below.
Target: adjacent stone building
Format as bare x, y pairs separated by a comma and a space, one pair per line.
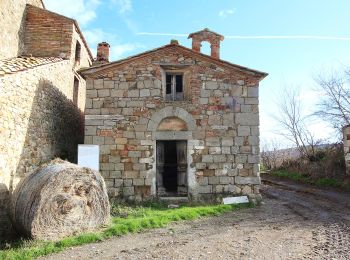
173, 122
42, 97
346, 144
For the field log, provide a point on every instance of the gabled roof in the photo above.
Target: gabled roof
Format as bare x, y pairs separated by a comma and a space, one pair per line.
110, 65
205, 30
13, 65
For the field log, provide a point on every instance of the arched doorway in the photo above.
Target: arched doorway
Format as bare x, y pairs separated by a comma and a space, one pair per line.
171, 129
171, 160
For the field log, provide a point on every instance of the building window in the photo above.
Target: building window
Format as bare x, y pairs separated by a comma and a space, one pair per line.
76, 91
77, 53
174, 87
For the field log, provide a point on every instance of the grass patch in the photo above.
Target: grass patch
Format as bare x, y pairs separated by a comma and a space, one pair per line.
291, 176
125, 220
328, 182
320, 182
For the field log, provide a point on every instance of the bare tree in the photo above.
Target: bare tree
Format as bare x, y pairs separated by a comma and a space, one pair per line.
334, 105
293, 123
272, 155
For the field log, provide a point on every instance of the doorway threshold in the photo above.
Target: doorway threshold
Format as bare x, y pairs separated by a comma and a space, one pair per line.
175, 200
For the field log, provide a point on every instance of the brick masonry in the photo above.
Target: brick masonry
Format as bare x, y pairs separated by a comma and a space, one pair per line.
220, 110
206, 35
12, 20
48, 34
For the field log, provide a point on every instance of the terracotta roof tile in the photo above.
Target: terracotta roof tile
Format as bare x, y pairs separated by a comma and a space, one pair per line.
9, 66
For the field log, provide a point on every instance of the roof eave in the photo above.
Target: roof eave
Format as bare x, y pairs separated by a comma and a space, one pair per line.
91, 70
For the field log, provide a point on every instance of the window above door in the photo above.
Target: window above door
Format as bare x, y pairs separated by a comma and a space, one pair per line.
174, 87
176, 82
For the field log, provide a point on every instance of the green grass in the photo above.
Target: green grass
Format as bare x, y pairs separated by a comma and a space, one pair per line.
320, 182
125, 220
328, 182
291, 176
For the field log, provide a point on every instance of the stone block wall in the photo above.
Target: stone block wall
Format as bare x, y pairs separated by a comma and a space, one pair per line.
346, 144
5, 223
85, 60
38, 122
221, 112
12, 20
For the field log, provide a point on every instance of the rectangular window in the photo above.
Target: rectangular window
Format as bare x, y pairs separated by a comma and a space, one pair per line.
168, 84
174, 87
77, 53
75, 91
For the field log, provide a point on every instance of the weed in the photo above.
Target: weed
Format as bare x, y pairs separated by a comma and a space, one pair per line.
126, 219
291, 175
328, 182
321, 182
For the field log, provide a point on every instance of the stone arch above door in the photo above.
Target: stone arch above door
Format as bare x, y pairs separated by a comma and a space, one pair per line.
171, 112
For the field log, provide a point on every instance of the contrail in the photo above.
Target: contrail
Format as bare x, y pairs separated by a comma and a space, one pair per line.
282, 37
297, 37
163, 34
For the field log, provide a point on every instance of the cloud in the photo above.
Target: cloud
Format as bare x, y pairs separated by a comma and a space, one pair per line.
227, 12
125, 6
84, 11
327, 132
97, 35
310, 95
120, 50
131, 24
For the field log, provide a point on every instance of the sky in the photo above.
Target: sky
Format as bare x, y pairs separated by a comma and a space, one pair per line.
292, 40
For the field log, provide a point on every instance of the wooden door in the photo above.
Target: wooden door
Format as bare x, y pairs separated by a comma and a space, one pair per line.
160, 167
181, 150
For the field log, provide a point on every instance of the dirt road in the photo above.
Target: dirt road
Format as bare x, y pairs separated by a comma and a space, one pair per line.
295, 222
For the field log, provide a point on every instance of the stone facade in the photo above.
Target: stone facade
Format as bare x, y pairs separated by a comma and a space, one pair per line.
36, 107
42, 97
346, 143
128, 116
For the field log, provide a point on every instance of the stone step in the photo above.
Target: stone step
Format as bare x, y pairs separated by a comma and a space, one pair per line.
174, 200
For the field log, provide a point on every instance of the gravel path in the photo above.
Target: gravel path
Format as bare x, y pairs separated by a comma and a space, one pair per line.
295, 222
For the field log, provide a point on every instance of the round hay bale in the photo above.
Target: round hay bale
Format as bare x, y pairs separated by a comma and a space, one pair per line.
59, 200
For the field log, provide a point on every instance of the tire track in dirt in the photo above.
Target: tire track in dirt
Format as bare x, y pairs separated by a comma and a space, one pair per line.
292, 223
329, 216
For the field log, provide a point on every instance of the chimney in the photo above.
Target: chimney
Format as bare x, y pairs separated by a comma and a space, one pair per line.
103, 52
206, 35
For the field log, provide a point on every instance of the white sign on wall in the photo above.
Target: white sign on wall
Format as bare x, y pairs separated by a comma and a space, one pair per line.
88, 156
